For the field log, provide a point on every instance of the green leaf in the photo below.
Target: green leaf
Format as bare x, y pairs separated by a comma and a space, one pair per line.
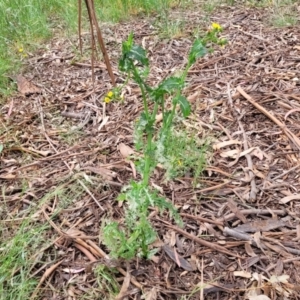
184, 105
198, 50
170, 85
127, 45
137, 53
130, 54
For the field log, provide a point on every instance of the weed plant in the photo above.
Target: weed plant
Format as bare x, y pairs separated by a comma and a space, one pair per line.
134, 237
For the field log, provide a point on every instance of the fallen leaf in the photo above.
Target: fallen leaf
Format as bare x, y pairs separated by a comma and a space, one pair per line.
151, 295
287, 199
233, 207
179, 260
220, 145
73, 271
107, 174
279, 279
25, 87
243, 274
103, 123
124, 288
125, 150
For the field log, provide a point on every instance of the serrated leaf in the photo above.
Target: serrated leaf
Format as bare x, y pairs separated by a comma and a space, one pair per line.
130, 54
167, 86
137, 53
184, 105
198, 50
170, 84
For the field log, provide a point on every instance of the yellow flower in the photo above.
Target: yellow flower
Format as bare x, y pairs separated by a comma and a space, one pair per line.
21, 49
110, 94
216, 26
107, 99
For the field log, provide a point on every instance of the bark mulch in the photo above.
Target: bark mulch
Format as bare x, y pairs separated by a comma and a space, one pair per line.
241, 223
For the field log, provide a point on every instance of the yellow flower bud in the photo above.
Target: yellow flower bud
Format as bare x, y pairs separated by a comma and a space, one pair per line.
110, 94
216, 26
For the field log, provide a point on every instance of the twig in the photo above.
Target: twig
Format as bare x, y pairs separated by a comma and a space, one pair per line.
254, 211
286, 172
44, 277
89, 192
202, 219
93, 21
210, 245
254, 190
293, 138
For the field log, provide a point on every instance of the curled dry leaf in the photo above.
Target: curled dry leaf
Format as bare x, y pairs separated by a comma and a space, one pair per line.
220, 145
236, 153
290, 112
125, 150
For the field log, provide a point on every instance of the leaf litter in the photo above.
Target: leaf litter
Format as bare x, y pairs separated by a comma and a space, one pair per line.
241, 222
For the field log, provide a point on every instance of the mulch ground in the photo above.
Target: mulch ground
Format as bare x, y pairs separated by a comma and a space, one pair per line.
241, 224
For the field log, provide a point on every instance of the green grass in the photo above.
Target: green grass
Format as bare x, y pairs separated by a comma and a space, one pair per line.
283, 13
23, 238
184, 155
26, 24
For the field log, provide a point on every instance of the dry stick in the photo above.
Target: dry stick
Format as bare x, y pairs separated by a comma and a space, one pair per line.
44, 277
88, 6
97, 251
86, 252
254, 211
200, 241
215, 222
254, 190
294, 139
91, 8
253, 35
90, 193
286, 172
91, 248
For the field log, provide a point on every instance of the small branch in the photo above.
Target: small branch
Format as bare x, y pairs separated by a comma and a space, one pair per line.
293, 138
254, 190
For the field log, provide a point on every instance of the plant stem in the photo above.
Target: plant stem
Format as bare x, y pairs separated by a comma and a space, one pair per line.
140, 82
148, 157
